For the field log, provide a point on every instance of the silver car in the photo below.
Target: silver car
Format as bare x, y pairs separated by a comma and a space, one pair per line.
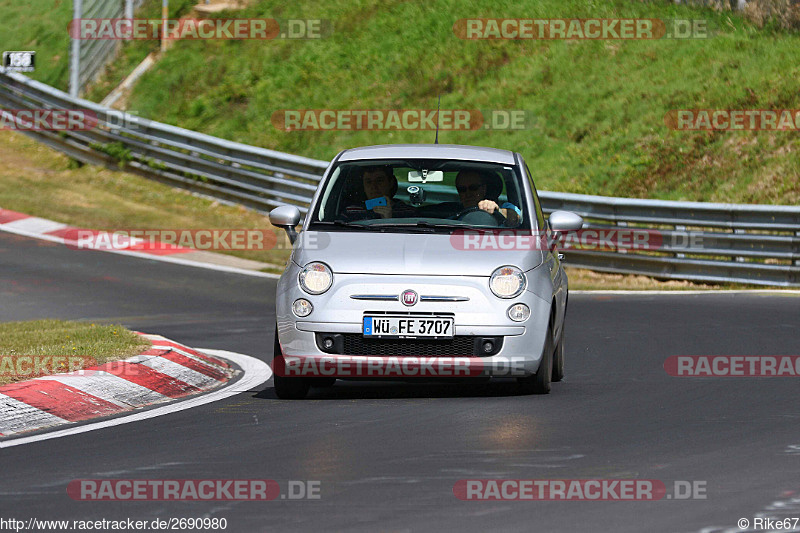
422, 261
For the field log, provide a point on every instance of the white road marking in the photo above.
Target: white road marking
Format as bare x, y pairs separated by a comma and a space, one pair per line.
255, 373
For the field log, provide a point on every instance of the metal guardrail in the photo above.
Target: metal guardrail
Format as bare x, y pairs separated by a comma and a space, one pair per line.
234, 172
758, 244
755, 244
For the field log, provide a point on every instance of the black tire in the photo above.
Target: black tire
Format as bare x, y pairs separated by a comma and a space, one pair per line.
540, 382
288, 388
322, 383
558, 357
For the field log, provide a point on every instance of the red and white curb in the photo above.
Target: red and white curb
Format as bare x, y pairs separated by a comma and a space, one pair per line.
49, 230
166, 371
57, 232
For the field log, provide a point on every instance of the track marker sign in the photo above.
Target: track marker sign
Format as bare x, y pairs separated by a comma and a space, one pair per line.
19, 61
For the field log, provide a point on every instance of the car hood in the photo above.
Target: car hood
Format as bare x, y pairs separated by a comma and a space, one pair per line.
348, 252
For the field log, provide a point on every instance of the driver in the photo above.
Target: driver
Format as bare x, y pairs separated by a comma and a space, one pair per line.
472, 189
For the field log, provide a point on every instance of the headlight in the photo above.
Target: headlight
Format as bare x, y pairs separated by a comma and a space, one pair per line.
507, 282
316, 278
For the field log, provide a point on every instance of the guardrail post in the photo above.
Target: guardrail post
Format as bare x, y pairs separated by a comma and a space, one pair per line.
797, 261
739, 232
128, 9
164, 15
75, 49
622, 224
681, 228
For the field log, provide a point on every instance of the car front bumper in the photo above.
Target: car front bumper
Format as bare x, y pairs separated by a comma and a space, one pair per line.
478, 316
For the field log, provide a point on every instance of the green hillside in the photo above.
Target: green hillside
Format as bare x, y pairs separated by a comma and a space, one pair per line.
41, 25
599, 105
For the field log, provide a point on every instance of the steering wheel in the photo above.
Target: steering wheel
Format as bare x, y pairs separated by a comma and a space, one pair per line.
476, 215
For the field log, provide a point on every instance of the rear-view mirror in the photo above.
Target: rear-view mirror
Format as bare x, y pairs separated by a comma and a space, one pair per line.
425, 176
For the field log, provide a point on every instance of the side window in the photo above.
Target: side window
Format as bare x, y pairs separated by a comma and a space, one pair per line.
539, 214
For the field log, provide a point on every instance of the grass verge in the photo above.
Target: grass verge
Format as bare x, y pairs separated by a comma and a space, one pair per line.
39, 181
61, 346
586, 280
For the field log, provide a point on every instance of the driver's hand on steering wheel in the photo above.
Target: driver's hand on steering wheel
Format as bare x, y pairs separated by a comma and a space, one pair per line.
509, 215
489, 206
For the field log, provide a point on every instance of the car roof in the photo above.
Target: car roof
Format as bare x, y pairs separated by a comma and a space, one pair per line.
429, 151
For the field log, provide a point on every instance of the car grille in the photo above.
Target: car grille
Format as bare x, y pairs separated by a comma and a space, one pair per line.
356, 344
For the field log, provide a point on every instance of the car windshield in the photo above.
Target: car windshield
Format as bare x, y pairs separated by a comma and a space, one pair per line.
421, 195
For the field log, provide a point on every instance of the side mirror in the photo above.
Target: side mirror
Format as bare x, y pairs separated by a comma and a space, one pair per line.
565, 221
286, 217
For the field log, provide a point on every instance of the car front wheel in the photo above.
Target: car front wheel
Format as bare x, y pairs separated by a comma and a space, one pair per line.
558, 358
287, 388
540, 382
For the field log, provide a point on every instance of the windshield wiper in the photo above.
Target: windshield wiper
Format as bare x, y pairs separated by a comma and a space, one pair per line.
437, 225
340, 223
343, 224
422, 225
400, 226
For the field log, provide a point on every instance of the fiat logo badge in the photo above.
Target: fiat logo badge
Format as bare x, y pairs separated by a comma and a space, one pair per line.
408, 297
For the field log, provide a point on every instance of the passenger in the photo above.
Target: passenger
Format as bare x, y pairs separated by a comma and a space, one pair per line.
379, 182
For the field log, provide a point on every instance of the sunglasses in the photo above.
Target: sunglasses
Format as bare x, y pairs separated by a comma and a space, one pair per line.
472, 188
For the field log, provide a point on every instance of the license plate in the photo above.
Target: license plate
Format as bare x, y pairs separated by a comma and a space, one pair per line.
408, 327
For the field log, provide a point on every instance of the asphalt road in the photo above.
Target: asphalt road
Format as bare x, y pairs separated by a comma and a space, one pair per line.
387, 455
